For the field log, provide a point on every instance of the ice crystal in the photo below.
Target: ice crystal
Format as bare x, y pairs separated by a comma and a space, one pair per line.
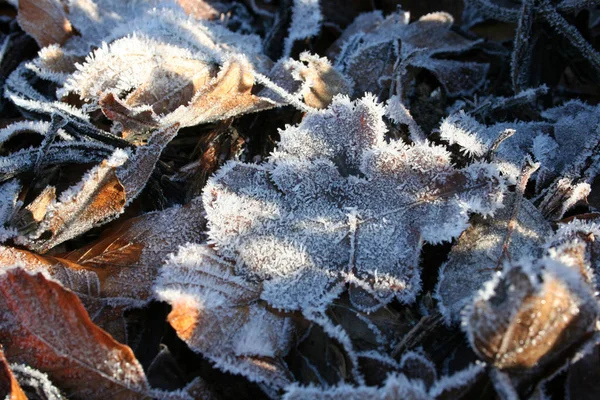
336, 203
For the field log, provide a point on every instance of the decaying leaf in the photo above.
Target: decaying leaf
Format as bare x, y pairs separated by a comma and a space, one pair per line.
45, 21
46, 327
530, 315
571, 127
389, 46
100, 197
335, 203
477, 254
163, 76
219, 315
121, 266
9, 387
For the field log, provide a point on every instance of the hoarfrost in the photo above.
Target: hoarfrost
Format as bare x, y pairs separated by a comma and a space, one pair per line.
218, 314
335, 203
475, 257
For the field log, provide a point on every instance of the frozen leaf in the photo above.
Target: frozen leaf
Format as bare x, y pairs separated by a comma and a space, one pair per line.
572, 127
396, 386
96, 19
336, 203
563, 195
218, 314
530, 315
391, 45
416, 366
178, 72
100, 197
45, 326
306, 23
320, 80
97, 198
475, 257
127, 257
165, 84
576, 245
457, 385
9, 387
121, 266
45, 21
9, 193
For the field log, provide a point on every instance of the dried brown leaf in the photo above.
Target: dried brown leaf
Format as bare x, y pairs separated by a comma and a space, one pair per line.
45, 326
101, 196
227, 95
530, 315
9, 387
45, 21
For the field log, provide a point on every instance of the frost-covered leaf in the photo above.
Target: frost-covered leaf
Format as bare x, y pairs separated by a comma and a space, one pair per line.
390, 45
312, 77
576, 245
475, 257
119, 267
530, 315
572, 127
45, 21
9, 387
415, 365
306, 23
335, 203
218, 314
9, 193
177, 72
396, 386
128, 256
45, 326
100, 197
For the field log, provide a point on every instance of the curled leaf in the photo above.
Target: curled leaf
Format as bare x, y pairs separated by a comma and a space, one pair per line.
530, 315
475, 257
218, 314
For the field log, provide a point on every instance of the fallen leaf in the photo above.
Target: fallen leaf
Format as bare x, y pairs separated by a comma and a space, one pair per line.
475, 257
45, 21
101, 196
530, 315
219, 315
45, 326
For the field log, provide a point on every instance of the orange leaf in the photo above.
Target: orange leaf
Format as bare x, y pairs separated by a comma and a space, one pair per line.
46, 327
9, 387
45, 21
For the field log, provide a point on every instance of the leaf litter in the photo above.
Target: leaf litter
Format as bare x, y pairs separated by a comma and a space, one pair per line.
268, 199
